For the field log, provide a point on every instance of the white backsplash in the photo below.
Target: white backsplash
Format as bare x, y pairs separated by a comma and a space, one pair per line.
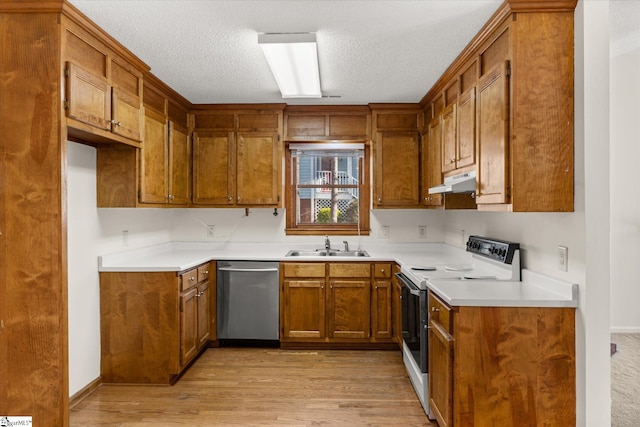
262, 226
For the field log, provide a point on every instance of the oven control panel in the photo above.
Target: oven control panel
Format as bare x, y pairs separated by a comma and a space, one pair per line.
497, 250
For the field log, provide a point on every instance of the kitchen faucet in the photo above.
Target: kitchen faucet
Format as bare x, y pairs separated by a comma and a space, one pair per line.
327, 243
346, 245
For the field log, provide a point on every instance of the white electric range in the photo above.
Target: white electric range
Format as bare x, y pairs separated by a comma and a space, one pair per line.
491, 259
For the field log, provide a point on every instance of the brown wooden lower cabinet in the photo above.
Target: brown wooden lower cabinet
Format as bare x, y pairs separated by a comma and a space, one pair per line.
507, 366
338, 303
153, 323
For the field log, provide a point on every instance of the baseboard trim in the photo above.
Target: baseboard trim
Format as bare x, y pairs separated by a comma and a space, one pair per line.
85, 392
625, 329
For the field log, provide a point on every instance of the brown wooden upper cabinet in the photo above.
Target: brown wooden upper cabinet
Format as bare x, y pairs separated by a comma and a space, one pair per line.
396, 155
431, 162
458, 127
493, 133
330, 123
237, 156
165, 157
512, 119
103, 91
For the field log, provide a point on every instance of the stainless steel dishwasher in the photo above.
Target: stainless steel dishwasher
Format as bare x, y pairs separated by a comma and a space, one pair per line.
248, 300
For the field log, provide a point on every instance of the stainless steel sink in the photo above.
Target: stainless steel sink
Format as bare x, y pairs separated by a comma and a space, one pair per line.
307, 253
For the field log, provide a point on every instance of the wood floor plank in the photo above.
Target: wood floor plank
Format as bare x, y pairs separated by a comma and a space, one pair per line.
266, 387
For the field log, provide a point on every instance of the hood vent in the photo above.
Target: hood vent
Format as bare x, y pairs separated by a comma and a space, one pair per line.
463, 183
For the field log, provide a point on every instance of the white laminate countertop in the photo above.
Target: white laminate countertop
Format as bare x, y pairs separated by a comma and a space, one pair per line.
535, 290
180, 256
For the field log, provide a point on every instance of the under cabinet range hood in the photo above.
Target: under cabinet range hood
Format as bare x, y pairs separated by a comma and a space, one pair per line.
463, 183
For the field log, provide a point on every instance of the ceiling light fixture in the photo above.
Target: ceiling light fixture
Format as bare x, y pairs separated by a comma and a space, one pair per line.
293, 59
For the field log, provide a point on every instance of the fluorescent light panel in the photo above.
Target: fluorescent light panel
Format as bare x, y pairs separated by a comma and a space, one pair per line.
293, 59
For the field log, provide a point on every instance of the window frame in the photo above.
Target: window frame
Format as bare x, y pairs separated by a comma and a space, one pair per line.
333, 229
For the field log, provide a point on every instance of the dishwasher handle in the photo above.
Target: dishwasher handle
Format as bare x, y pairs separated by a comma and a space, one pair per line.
248, 270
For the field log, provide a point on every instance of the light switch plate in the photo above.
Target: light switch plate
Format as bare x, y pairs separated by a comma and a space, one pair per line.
383, 233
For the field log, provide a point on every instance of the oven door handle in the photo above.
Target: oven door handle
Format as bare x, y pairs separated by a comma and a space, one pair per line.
413, 289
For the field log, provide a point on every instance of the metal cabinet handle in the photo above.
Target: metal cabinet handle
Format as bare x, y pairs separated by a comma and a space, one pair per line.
230, 198
435, 310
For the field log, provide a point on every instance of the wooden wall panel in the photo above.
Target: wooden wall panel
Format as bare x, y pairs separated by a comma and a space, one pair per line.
33, 222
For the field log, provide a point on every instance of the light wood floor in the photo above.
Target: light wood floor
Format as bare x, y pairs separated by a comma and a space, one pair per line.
267, 387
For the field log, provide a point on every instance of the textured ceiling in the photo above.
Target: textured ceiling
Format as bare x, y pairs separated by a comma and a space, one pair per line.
369, 51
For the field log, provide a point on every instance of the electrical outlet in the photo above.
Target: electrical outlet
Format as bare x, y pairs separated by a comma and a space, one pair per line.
211, 231
422, 231
563, 258
383, 233
125, 238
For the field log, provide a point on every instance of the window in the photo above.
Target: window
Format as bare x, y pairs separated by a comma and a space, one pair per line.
327, 188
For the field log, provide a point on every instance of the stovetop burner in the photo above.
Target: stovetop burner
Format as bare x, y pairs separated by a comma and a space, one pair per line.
491, 259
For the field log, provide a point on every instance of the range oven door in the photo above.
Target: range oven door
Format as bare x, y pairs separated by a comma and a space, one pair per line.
415, 321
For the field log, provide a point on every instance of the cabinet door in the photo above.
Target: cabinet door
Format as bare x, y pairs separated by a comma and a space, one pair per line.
397, 177
432, 175
440, 374
258, 168
303, 308
349, 308
126, 114
154, 186
179, 164
88, 97
449, 139
204, 318
381, 318
188, 325
466, 129
493, 137
214, 168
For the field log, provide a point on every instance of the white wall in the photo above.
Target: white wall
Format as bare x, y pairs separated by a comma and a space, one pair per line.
91, 232
262, 226
83, 229
625, 203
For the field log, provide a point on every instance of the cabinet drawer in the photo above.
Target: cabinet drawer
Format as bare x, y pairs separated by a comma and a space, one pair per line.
203, 272
440, 312
188, 279
350, 270
303, 269
382, 270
